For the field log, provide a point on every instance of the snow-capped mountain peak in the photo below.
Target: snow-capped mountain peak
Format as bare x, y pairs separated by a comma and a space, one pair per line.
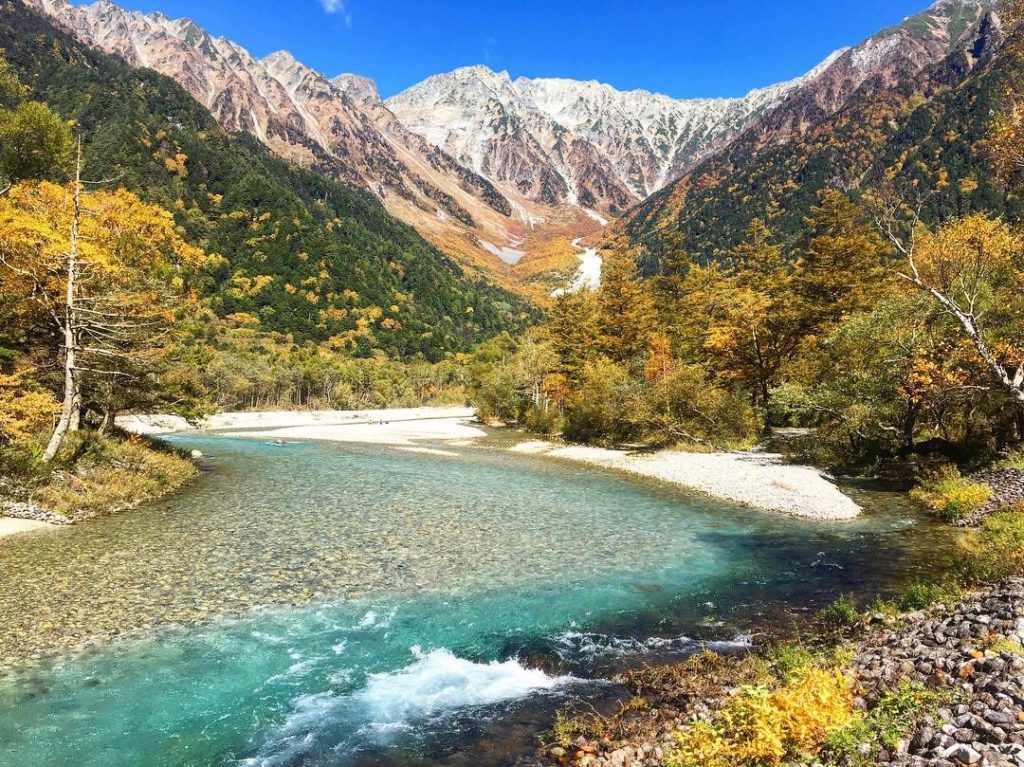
644, 139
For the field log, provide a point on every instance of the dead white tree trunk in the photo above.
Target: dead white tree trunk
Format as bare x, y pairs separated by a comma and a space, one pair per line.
70, 414
1012, 382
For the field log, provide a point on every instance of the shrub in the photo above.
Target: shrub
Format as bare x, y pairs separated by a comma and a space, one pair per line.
600, 409
1006, 646
760, 726
1011, 459
542, 420
841, 614
21, 464
788, 658
996, 549
921, 594
570, 726
895, 716
100, 475
950, 495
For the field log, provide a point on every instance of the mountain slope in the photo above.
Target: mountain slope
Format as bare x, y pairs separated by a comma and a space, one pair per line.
305, 118
840, 129
300, 253
505, 174
489, 170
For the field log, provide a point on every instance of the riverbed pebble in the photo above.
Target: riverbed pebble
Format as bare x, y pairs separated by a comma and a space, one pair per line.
22, 510
1007, 489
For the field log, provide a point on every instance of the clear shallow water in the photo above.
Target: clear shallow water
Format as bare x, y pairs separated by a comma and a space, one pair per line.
387, 607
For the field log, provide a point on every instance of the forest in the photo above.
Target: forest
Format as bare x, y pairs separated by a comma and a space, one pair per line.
887, 319
214, 276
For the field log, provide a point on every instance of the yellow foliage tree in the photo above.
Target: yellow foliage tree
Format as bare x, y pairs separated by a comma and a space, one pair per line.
26, 409
973, 268
107, 271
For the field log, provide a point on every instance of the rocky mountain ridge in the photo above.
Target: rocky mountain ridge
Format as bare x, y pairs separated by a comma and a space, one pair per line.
489, 168
907, 104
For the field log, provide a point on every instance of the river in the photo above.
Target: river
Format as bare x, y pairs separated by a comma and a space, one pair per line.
323, 604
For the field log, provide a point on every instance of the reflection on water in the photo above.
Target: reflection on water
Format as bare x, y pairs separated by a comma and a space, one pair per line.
424, 578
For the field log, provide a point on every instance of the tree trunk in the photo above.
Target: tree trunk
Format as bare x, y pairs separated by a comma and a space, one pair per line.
108, 421
1011, 382
910, 426
71, 410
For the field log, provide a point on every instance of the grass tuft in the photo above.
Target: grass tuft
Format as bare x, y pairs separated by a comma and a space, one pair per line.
950, 495
96, 475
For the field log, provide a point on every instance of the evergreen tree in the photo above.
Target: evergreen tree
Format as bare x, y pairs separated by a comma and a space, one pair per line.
572, 327
841, 256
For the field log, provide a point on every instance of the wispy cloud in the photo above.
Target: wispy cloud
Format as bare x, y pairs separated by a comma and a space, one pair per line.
488, 48
338, 6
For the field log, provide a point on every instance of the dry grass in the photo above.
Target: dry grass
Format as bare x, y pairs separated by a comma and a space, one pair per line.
102, 475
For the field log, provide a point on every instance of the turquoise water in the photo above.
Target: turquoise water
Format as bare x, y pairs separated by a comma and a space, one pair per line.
320, 604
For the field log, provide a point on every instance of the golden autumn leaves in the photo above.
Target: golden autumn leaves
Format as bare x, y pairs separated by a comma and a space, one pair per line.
131, 293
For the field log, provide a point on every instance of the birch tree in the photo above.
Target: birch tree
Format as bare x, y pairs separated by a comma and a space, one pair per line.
972, 268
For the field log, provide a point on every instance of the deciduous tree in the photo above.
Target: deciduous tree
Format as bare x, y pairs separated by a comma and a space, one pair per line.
109, 272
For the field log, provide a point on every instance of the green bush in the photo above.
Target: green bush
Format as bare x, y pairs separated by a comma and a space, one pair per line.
950, 495
893, 718
21, 464
995, 550
841, 614
921, 594
542, 420
787, 658
1011, 459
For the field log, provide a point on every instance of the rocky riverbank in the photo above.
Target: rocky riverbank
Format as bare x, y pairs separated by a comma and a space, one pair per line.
969, 656
1007, 487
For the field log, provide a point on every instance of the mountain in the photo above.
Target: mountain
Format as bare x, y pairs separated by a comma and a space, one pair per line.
580, 143
843, 127
339, 127
503, 174
294, 251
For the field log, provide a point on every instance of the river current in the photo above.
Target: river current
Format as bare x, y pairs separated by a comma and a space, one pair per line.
318, 604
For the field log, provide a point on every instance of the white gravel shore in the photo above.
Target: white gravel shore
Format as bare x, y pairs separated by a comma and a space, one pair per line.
380, 427
760, 480
10, 526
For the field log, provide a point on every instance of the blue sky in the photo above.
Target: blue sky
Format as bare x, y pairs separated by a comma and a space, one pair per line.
683, 48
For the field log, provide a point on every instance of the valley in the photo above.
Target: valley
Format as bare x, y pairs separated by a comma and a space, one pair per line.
482, 165
491, 416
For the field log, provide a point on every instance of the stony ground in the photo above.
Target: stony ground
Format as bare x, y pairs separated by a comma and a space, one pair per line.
1007, 489
945, 648
22, 510
948, 647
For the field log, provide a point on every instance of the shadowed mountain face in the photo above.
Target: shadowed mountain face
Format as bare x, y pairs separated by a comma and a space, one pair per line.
483, 165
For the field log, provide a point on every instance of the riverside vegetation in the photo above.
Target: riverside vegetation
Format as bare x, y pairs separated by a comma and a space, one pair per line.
914, 350
271, 286
206, 274
201, 273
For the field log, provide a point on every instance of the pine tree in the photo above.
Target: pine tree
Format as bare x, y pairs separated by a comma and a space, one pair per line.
572, 328
840, 267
